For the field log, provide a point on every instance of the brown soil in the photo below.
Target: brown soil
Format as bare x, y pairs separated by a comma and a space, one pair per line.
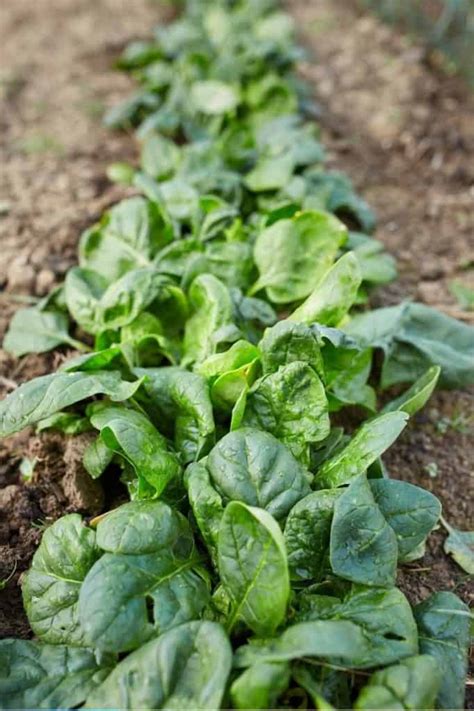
56, 79
399, 128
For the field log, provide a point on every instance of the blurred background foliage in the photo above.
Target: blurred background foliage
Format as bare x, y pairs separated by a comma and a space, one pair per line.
445, 25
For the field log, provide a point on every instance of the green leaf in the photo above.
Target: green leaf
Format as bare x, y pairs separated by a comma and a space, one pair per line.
368, 443
270, 173
34, 331
47, 676
210, 321
377, 267
159, 156
42, 397
240, 353
412, 684
97, 457
287, 342
291, 404
51, 586
444, 623
334, 638
363, 547
214, 97
415, 337
97, 307
180, 400
254, 467
417, 395
128, 237
259, 686
384, 617
292, 255
333, 295
132, 435
186, 667
307, 532
460, 544
150, 550
206, 504
411, 511
67, 422
327, 688
253, 567
463, 294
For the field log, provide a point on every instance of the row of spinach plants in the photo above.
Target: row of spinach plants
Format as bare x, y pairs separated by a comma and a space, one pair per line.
219, 319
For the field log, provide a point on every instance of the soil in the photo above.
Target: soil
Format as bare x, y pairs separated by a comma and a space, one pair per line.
390, 119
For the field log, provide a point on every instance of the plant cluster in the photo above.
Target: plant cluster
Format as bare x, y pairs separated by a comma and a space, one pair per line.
255, 564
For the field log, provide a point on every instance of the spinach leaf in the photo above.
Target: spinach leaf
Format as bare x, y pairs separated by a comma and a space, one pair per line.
186, 667
332, 638
179, 401
287, 342
35, 331
214, 97
128, 237
384, 617
211, 322
363, 547
97, 457
67, 422
206, 504
415, 337
96, 306
253, 567
307, 532
368, 443
254, 467
377, 267
444, 628
411, 511
132, 435
417, 395
47, 676
239, 354
412, 684
51, 586
150, 550
333, 295
460, 544
293, 254
259, 686
291, 404
42, 397
327, 688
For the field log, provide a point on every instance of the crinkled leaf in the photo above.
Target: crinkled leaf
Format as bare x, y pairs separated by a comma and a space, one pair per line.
287, 342
180, 403
307, 532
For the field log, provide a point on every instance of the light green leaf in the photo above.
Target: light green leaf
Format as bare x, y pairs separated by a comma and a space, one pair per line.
417, 395
259, 686
333, 295
460, 544
214, 97
293, 254
368, 443
34, 331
